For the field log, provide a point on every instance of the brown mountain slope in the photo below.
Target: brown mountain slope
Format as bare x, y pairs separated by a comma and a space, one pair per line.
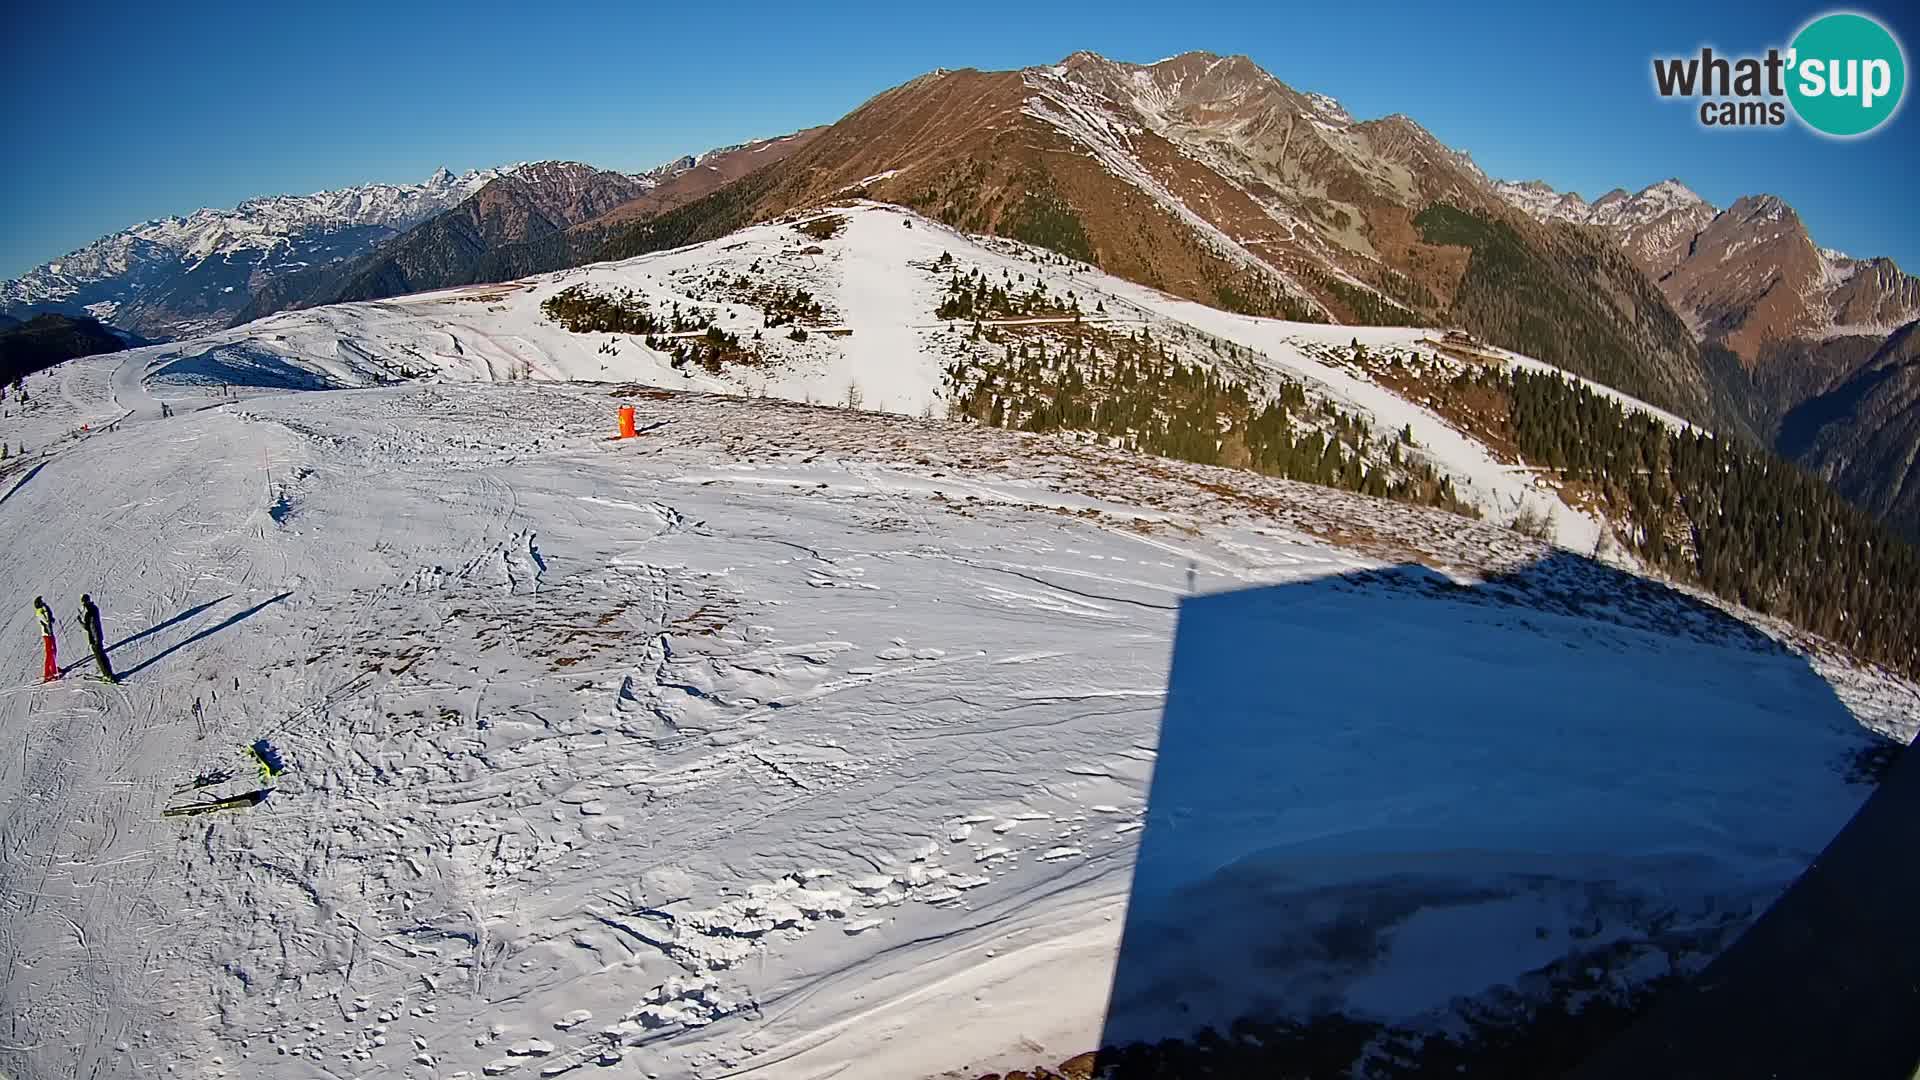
694, 178
527, 203
539, 216
1750, 277
1796, 318
1805, 342
1863, 436
1808, 331
962, 146
1207, 177
1753, 279
534, 201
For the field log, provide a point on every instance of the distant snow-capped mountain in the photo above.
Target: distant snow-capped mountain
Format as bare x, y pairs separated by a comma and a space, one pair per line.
177, 276
1653, 225
1744, 276
531, 218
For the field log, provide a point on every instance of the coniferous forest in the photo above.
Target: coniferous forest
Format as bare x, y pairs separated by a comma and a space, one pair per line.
1133, 391
1740, 522
1715, 512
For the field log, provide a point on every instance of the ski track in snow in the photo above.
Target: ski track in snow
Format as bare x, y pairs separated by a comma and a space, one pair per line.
570, 731
727, 750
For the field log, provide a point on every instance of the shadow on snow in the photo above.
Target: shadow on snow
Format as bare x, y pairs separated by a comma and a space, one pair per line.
87, 659
157, 627
1402, 827
236, 617
23, 481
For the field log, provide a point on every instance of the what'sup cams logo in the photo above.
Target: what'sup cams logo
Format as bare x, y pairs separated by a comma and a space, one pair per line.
1843, 75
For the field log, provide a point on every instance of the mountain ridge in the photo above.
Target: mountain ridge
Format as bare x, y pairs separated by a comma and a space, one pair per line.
1797, 334
540, 219
1209, 178
177, 275
168, 275
1766, 242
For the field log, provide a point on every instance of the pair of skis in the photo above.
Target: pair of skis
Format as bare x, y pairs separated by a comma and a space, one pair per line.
266, 759
234, 802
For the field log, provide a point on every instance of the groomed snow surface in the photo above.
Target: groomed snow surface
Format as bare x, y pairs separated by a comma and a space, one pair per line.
800, 742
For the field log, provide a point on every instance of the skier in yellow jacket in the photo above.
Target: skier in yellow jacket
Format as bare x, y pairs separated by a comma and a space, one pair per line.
45, 615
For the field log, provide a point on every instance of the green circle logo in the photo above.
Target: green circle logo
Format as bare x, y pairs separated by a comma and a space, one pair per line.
1848, 74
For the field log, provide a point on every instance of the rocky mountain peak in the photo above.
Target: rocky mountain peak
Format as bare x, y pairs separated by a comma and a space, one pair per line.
670, 169
1764, 212
1673, 190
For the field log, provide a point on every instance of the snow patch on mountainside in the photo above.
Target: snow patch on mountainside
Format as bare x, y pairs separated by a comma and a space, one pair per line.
1616, 210
1541, 202
1649, 205
1329, 108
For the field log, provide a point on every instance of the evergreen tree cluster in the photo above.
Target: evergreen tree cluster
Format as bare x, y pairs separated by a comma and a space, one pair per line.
785, 305
1367, 308
1405, 291
1129, 389
1739, 522
974, 296
48, 339
956, 197
584, 310
588, 311
1544, 302
715, 215
780, 304
1247, 292
1044, 219
687, 335
711, 350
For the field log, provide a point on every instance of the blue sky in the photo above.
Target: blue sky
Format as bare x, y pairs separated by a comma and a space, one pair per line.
121, 112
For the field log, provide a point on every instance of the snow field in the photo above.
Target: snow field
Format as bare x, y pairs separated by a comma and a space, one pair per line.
780, 741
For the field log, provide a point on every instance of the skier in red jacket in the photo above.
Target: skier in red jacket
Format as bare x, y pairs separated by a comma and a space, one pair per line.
46, 639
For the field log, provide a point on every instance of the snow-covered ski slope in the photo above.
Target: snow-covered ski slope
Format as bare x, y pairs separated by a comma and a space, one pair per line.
788, 741
880, 280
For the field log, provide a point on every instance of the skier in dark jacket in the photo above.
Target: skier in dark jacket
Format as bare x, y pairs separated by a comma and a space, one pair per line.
45, 614
90, 621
